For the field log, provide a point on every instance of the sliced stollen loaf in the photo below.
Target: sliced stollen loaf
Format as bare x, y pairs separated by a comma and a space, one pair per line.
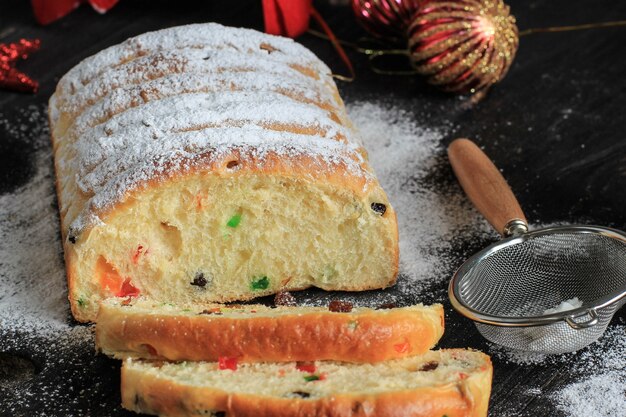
451, 383
252, 333
209, 164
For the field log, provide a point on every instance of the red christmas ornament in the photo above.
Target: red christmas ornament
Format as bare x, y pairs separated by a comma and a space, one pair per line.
463, 46
386, 18
11, 78
47, 11
286, 17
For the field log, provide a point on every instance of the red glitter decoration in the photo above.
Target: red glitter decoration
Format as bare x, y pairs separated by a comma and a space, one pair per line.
10, 77
388, 19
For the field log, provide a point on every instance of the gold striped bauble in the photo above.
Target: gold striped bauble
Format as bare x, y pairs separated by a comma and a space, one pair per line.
463, 46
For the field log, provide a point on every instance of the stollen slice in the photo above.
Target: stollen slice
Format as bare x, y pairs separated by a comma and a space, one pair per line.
444, 383
143, 328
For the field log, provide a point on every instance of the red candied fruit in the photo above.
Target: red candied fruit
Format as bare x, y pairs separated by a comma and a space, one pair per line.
128, 289
306, 367
138, 252
224, 362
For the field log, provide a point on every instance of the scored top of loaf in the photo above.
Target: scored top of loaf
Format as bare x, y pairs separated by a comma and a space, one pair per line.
120, 136
198, 36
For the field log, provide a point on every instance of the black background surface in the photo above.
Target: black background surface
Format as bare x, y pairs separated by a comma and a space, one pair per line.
562, 169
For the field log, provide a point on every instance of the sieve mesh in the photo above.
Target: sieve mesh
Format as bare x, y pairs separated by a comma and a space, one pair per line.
523, 277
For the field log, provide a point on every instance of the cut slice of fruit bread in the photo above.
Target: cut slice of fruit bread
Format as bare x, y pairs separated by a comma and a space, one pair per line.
444, 383
254, 333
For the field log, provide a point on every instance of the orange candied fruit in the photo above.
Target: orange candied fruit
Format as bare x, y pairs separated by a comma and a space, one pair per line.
403, 347
114, 284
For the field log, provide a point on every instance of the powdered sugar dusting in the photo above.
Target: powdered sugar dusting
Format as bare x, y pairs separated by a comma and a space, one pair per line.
146, 132
601, 395
169, 85
32, 277
198, 36
599, 390
34, 310
403, 153
597, 375
208, 62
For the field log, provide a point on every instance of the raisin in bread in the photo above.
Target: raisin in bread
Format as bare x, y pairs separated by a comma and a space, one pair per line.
452, 383
254, 333
208, 164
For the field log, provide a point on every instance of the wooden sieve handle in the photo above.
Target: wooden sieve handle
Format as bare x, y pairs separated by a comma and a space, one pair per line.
486, 187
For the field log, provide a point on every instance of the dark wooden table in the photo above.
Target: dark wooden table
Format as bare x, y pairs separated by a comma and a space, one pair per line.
562, 169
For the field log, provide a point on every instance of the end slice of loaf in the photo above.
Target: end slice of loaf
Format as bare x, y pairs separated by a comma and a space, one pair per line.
452, 383
253, 333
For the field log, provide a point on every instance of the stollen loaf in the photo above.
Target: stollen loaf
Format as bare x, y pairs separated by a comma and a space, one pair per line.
204, 163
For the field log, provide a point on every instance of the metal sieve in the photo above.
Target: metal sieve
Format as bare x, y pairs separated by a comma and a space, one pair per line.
507, 287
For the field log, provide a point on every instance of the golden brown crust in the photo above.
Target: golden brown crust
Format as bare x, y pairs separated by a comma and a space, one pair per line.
304, 335
469, 397
66, 253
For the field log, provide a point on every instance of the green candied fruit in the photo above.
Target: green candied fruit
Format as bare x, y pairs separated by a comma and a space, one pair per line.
353, 324
328, 273
81, 302
260, 283
311, 378
234, 221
